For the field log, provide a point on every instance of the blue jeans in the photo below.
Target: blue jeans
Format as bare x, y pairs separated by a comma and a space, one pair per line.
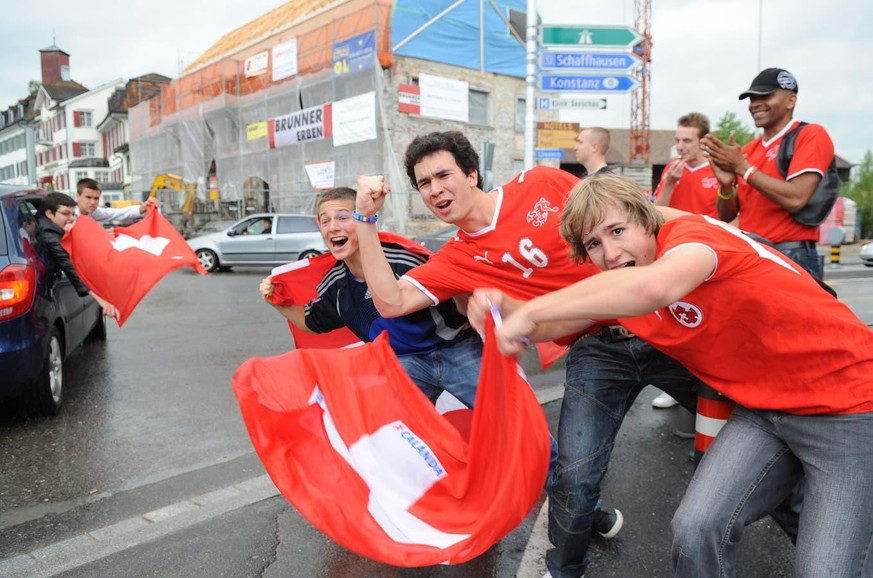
604, 378
753, 464
807, 258
453, 368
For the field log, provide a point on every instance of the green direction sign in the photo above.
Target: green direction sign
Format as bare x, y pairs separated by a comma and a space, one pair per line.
598, 36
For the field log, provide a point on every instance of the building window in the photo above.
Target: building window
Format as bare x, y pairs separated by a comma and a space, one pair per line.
102, 177
520, 111
79, 175
81, 118
478, 103
87, 149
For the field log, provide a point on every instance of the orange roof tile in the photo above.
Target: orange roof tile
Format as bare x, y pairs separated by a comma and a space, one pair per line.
259, 28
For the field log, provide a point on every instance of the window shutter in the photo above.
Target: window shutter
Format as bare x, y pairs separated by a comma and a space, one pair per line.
76, 120
77, 150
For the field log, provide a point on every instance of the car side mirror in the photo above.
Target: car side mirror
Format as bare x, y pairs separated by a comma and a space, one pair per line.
230, 233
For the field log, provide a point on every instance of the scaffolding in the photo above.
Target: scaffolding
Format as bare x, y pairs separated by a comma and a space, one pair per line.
209, 125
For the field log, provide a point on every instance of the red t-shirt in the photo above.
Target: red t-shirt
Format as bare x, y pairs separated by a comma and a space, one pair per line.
695, 192
760, 330
521, 252
813, 151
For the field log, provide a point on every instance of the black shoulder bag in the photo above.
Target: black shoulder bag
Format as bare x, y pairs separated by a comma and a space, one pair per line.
822, 200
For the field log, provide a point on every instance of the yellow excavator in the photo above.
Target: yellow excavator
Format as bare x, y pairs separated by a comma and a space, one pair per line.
176, 203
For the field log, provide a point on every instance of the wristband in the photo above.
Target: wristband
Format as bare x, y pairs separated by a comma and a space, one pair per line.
363, 218
732, 194
749, 172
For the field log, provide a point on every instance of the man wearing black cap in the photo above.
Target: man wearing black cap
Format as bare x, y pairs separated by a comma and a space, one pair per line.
751, 184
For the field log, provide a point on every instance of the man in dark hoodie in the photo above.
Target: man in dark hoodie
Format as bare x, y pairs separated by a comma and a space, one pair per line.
55, 215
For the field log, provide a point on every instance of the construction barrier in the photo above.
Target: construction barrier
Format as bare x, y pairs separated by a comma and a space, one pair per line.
713, 411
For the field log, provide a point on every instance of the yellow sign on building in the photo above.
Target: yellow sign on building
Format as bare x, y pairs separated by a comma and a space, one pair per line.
256, 130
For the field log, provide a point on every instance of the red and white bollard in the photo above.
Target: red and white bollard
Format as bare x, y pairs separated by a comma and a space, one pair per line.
713, 411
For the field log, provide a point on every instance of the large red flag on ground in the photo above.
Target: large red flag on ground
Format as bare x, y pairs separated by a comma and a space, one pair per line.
122, 265
352, 443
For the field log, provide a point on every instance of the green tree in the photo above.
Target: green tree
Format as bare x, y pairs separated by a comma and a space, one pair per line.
860, 190
729, 123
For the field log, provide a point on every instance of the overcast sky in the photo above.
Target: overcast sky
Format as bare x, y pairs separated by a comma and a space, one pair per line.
705, 51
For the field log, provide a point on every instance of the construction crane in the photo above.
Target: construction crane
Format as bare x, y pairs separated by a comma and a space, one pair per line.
641, 97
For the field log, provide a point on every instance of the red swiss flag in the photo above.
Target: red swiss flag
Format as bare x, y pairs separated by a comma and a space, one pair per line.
123, 265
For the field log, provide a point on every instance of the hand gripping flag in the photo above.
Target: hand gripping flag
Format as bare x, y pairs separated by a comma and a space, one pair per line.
352, 443
124, 264
296, 282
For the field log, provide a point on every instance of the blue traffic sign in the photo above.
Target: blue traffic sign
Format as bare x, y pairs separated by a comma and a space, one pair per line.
588, 60
550, 154
615, 83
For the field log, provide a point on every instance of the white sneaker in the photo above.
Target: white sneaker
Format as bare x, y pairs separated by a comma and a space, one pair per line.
664, 401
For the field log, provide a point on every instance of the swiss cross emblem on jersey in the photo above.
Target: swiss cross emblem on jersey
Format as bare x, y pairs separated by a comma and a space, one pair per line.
540, 213
687, 314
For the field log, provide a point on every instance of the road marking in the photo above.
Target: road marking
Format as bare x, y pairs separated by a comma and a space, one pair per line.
98, 544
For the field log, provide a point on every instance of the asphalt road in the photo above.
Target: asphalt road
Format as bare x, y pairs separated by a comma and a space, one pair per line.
148, 471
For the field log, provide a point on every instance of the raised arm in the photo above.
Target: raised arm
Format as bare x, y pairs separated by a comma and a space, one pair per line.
392, 297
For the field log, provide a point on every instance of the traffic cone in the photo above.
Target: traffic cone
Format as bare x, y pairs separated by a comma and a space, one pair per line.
713, 411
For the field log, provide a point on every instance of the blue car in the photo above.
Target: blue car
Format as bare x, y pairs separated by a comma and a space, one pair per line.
42, 320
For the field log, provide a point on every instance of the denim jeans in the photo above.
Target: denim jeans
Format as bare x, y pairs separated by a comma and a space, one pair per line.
453, 368
753, 464
604, 378
807, 258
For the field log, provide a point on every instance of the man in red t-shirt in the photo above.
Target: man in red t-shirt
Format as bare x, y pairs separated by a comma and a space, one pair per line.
688, 183
509, 238
764, 199
757, 328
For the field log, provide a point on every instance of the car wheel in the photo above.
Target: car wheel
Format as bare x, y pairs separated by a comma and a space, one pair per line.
48, 392
98, 332
309, 253
208, 259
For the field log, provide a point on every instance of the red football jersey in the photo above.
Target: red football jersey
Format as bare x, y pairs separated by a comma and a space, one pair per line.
696, 191
760, 330
521, 252
813, 151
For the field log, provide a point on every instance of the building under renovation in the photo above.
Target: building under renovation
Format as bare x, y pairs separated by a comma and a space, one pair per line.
315, 93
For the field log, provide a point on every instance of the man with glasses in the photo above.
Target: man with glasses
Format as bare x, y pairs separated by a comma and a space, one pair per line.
55, 216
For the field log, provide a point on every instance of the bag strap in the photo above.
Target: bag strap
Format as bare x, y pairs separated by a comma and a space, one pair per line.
786, 149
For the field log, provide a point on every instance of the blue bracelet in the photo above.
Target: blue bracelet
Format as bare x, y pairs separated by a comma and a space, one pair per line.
364, 219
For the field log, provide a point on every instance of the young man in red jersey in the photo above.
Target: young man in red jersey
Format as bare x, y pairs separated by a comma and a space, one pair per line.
509, 238
756, 327
688, 183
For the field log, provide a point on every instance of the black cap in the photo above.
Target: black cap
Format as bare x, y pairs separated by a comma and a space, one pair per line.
769, 80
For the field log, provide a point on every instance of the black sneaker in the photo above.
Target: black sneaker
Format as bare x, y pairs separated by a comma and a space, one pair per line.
607, 523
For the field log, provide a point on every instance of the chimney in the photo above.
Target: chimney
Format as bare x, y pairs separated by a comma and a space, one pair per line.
55, 64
